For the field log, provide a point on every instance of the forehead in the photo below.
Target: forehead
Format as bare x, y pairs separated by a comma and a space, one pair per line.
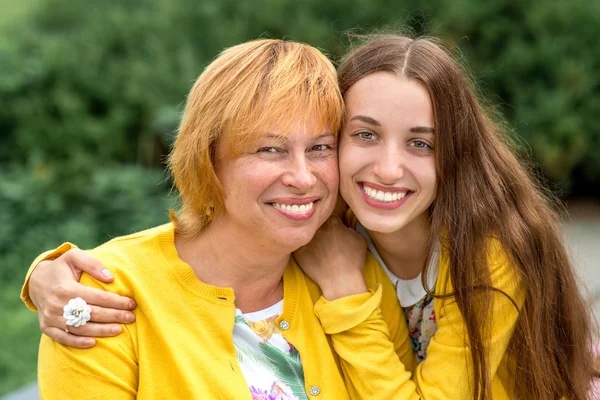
302, 131
390, 99
297, 132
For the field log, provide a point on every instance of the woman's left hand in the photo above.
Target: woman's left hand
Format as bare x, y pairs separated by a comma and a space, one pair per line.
334, 259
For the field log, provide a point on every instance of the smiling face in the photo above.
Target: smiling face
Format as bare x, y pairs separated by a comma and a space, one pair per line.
387, 163
283, 188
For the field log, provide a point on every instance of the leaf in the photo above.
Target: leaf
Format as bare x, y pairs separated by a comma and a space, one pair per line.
287, 369
246, 355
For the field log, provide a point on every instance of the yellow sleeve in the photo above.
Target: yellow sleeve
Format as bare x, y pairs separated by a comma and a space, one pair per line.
370, 362
108, 370
48, 255
447, 371
375, 370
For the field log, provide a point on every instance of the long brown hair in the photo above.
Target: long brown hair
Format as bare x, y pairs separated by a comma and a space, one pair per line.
484, 191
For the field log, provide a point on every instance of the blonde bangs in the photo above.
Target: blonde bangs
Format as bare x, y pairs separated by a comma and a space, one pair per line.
297, 87
248, 90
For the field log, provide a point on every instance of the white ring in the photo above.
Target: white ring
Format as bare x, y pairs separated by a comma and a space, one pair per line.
77, 312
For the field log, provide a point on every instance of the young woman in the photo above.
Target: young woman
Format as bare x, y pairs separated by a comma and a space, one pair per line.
462, 231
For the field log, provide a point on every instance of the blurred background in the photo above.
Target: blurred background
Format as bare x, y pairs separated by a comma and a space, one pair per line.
91, 94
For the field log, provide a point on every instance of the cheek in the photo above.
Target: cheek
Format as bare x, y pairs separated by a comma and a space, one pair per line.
348, 158
329, 173
428, 176
247, 183
355, 159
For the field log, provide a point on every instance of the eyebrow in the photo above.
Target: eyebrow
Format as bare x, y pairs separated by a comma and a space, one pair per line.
283, 137
366, 119
374, 122
422, 129
324, 135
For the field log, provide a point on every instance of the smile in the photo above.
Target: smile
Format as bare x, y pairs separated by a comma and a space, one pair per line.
296, 209
384, 199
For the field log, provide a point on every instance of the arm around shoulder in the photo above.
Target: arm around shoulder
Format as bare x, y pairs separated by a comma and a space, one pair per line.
46, 256
108, 370
369, 334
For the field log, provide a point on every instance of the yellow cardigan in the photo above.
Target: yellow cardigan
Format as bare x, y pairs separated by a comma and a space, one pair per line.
181, 345
447, 371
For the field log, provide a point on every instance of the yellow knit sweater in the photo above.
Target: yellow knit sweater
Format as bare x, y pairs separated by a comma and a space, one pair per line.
181, 346
447, 371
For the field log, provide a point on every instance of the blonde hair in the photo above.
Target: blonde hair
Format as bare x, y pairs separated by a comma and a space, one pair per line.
246, 90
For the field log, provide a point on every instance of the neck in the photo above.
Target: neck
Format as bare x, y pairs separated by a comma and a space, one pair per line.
226, 257
405, 251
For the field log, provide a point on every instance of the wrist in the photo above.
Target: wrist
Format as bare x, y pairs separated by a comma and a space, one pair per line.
344, 286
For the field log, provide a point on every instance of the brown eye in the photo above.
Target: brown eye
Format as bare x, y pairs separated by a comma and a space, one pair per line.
321, 147
421, 144
365, 135
268, 150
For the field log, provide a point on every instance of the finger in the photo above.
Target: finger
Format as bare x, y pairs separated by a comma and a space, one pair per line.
68, 339
92, 329
79, 260
102, 298
93, 296
111, 315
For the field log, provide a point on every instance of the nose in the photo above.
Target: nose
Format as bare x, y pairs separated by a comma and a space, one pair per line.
300, 174
389, 166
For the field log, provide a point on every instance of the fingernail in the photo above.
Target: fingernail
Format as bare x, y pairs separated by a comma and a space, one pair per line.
106, 273
129, 317
132, 304
89, 342
115, 329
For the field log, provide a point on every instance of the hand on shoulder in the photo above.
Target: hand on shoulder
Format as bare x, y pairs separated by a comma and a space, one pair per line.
334, 259
54, 282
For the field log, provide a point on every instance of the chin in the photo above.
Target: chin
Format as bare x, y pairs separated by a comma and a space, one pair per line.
376, 223
292, 241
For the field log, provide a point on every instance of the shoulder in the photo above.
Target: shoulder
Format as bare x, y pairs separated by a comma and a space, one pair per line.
130, 257
374, 273
504, 273
135, 244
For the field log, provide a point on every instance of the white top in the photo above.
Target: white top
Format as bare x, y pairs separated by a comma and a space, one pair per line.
409, 291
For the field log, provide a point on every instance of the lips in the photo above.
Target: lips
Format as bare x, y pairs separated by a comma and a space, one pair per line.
296, 209
384, 198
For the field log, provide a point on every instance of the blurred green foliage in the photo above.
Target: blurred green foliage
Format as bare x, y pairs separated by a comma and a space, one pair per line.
91, 92
33, 217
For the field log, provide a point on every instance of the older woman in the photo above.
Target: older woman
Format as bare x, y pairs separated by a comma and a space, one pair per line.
223, 312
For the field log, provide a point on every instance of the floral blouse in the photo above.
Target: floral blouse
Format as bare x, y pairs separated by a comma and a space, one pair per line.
416, 303
270, 364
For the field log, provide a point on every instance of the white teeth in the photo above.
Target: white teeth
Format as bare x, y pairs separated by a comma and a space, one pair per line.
384, 197
299, 209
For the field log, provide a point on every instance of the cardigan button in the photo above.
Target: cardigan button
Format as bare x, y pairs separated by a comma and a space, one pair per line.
284, 325
314, 390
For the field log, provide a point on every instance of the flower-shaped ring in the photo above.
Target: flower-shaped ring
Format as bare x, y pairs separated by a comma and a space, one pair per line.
77, 312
